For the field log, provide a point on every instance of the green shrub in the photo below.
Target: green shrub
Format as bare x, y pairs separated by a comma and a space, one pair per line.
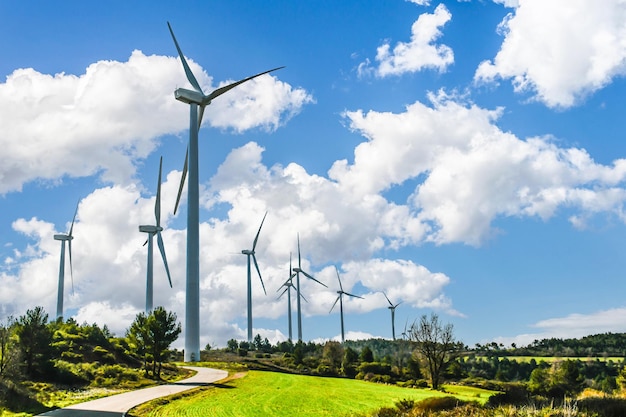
71, 356
438, 403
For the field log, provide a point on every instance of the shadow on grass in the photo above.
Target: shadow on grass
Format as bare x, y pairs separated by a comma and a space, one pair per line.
17, 399
81, 413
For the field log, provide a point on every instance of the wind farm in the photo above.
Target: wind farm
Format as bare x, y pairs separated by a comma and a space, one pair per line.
381, 163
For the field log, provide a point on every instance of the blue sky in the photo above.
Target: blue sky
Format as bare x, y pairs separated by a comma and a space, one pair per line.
466, 157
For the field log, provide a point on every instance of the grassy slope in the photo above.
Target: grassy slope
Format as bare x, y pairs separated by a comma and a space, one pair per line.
277, 394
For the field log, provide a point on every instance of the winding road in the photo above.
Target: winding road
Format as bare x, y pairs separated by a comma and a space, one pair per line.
118, 405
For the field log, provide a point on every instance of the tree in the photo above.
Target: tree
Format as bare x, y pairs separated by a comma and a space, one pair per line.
435, 344
332, 355
7, 353
153, 334
366, 355
232, 345
34, 337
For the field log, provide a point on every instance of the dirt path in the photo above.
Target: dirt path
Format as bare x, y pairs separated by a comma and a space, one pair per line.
118, 405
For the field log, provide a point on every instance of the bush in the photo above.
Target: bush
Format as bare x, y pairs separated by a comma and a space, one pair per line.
438, 404
387, 412
71, 356
242, 352
604, 406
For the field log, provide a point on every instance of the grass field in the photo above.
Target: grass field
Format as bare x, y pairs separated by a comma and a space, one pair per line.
277, 394
550, 359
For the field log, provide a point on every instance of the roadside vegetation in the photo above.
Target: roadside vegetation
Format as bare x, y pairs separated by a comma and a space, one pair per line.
49, 364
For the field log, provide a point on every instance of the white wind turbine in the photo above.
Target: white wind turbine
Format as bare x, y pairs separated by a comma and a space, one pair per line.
341, 293
299, 271
64, 238
251, 254
152, 231
288, 286
197, 101
392, 307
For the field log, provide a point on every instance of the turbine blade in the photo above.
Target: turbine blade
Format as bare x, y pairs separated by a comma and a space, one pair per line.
304, 298
282, 293
145, 243
388, 300
162, 250
256, 265
334, 304
339, 279
355, 296
218, 92
157, 204
299, 258
182, 180
73, 219
190, 76
200, 116
256, 238
310, 277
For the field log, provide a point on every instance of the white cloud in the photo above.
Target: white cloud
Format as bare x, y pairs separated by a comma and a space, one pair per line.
470, 172
560, 51
106, 119
421, 52
109, 259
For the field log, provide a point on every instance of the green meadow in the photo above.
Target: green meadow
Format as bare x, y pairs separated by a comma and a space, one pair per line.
277, 394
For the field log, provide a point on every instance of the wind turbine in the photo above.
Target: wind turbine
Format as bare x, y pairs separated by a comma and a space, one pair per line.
392, 307
152, 231
299, 271
288, 286
64, 238
404, 334
250, 254
341, 293
197, 101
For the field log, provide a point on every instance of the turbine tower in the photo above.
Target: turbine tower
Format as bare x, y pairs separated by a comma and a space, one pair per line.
250, 254
341, 293
392, 307
197, 101
64, 238
299, 271
152, 231
288, 286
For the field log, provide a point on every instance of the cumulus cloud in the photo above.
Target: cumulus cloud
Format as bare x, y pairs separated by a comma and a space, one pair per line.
106, 119
109, 259
470, 172
420, 53
560, 51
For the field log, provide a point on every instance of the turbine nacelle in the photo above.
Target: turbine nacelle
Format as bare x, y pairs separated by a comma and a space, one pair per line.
63, 237
150, 229
247, 252
191, 97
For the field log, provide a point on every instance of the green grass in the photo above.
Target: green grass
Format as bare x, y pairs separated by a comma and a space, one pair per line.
550, 359
277, 394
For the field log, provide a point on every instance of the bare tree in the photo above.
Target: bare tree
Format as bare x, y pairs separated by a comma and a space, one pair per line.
435, 344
